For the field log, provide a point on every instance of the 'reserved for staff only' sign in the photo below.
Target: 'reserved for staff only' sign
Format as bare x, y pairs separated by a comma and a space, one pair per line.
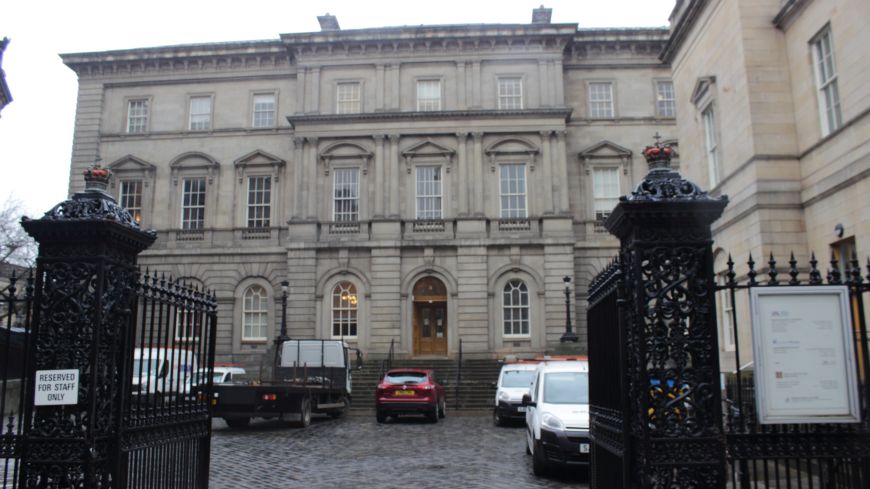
56, 387
804, 355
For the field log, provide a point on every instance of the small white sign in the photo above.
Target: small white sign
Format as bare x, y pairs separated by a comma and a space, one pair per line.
56, 387
804, 355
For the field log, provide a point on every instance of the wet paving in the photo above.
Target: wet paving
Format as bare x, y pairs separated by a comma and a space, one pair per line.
464, 451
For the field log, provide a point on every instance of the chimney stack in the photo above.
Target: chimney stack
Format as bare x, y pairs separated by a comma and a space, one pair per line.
542, 15
328, 22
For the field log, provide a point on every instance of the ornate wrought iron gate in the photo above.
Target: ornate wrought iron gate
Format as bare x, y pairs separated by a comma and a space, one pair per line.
136, 350
16, 299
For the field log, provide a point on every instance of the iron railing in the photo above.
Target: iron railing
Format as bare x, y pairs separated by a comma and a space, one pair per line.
16, 301
387, 363
797, 456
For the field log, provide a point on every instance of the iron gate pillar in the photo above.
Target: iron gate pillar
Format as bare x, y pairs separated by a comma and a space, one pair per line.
85, 295
674, 412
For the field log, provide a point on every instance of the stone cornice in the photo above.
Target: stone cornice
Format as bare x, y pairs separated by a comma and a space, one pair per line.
788, 12
297, 120
631, 44
685, 22
181, 58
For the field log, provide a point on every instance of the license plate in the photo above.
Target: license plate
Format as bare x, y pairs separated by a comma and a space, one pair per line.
404, 393
584, 448
521, 409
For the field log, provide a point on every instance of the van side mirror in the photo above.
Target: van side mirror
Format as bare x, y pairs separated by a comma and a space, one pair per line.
527, 401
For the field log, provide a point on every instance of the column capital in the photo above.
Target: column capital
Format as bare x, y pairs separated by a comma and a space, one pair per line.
462, 135
312, 140
298, 141
546, 134
394, 138
478, 136
379, 138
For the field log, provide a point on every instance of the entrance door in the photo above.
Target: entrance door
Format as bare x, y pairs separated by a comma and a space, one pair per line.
430, 328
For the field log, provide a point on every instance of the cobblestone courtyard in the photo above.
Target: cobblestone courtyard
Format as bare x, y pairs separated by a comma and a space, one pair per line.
357, 452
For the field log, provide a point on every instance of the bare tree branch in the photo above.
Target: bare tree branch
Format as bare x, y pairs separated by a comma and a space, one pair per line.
16, 246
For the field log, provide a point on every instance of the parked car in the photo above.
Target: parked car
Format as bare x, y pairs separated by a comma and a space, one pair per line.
222, 374
513, 383
410, 391
557, 416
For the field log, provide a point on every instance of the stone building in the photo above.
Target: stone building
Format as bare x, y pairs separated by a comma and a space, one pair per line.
773, 101
426, 187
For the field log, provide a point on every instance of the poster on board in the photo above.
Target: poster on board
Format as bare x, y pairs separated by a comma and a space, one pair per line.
804, 355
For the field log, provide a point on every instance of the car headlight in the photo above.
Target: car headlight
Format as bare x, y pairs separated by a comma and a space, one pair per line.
552, 422
504, 396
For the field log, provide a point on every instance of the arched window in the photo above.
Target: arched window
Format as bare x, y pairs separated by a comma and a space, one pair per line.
344, 310
255, 312
515, 303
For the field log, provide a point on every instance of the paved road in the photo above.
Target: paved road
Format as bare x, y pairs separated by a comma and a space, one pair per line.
462, 452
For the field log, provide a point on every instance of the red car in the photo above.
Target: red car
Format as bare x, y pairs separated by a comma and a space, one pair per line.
410, 391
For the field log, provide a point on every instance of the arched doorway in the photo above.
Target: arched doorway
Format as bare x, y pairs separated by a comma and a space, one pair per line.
430, 317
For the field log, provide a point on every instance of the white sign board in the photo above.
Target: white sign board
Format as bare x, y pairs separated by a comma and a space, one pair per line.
56, 387
804, 355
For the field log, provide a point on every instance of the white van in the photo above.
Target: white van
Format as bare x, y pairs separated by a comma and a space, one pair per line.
513, 383
557, 416
162, 371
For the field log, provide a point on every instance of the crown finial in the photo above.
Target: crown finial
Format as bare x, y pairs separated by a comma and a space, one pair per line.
658, 155
97, 177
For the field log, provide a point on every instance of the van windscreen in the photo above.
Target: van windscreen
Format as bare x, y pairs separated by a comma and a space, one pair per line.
517, 378
566, 388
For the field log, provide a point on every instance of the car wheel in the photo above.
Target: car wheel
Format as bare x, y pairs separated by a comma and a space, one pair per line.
443, 411
237, 423
433, 414
528, 443
539, 463
304, 413
496, 419
382, 416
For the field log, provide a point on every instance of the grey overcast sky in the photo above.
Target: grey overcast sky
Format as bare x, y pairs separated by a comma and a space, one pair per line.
36, 129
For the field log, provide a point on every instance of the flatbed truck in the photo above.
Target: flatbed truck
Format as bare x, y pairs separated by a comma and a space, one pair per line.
308, 376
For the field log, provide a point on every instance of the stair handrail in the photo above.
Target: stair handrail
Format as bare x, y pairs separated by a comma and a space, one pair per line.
387, 363
458, 377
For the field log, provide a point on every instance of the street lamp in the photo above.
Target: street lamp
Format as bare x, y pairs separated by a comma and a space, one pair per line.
569, 335
285, 286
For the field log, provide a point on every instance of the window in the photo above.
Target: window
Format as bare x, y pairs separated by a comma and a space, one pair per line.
428, 192
346, 196
726, 318
513, 191
259, 201
515, 304
193, 203
711, 145
344, 310
188, 324
348, 98
665, 106
826, 82
428, 95
255, 313
200, 113
130, 198
510, 93
264, 110
843, 251
137, 115
605, 191
601, 100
